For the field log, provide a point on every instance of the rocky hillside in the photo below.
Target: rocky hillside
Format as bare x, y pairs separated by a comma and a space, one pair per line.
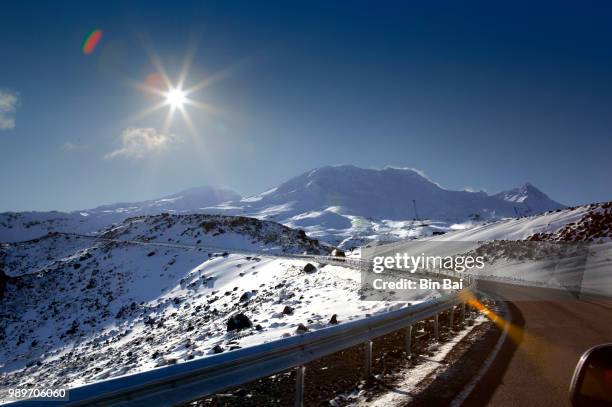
76, 309
237, 232
595, 224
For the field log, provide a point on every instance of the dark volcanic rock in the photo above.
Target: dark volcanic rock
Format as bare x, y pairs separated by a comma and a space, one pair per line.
309, 268
238, 322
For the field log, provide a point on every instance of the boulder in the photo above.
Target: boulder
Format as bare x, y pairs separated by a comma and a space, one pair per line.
309, 268
238, 322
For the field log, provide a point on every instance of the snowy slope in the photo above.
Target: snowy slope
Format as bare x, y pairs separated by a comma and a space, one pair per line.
77, 310
20, 226
581, 223
540, 250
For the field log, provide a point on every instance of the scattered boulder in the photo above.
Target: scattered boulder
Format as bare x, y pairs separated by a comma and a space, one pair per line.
247, 295
334, 319
309, 268
217, 349
238, 322
301, 329
288, 310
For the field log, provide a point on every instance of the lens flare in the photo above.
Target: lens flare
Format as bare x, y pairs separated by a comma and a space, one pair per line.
91, 41
155, 81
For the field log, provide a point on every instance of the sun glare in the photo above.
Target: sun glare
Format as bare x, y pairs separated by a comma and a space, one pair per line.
176, 98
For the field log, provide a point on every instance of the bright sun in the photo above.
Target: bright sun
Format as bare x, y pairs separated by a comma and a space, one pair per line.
176, 98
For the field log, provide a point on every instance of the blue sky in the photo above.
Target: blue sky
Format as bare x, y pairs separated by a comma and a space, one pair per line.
483, 96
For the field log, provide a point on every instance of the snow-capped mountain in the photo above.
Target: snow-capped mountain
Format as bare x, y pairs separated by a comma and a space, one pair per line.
191, 199
389, 194
532, 201
19, 226
351, 204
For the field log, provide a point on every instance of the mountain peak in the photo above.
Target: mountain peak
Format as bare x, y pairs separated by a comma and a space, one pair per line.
532, 198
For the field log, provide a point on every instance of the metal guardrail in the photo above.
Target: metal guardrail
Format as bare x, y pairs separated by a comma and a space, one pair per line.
195, 379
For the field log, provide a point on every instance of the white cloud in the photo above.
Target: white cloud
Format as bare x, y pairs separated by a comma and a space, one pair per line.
8, 106
138, 142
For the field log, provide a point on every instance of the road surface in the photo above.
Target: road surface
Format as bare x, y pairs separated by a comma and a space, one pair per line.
552, 328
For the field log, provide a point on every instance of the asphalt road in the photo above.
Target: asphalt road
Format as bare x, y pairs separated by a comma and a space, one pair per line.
551, 330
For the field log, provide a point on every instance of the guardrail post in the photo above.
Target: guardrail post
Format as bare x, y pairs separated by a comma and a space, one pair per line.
435, 327
368, 359
299, 386
408, 340
462, 317
451, 318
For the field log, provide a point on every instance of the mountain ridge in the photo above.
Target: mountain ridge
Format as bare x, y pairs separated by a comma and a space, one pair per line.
333, 203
